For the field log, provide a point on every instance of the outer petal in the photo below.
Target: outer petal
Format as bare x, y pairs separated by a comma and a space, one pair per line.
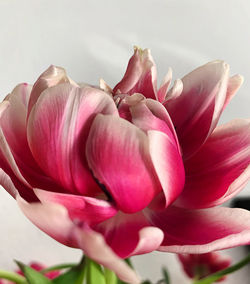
117, 153
140, 76
196, 111
58, 127
53, 219
14, 146
204, 230
130, 234
220, 169
80, 208
51, 77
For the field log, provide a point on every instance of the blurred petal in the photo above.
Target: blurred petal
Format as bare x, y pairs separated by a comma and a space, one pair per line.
80, 208
162, 92
140, 76
196, 111
117, 153
204, 230
220, 169
58, 127
175, 91
130, 234
53, 219
234, 84
51, 77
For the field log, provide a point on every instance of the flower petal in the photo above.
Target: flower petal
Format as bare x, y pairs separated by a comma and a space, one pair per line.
80, 208
130, 234
220, 169
117, 153
58, 127
203, 230
51, 77
53, 219
162, 92
196, 111
168, 165
234, 84
140, 76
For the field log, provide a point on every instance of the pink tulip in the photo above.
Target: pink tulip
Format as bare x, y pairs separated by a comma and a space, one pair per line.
201, 265
104, 170
38, 267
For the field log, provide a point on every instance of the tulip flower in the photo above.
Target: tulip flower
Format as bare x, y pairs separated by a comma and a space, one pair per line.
199, 266
125, 171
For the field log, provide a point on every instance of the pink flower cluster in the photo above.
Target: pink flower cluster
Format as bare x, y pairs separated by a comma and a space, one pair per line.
125, 171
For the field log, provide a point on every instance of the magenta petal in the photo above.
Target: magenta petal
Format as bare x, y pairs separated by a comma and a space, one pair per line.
53, 219
220, 169
196, 111
80, 208
58, 127
117, 153
204, 230
168, 165
130, 234
140, 76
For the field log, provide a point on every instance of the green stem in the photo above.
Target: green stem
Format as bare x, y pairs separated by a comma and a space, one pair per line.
14, 277
215, 276
58, 267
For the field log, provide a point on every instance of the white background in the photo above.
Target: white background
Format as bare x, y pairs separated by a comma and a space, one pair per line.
94, 39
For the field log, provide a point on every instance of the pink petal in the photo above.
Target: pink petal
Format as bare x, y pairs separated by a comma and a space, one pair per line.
234, 83
175, 91
117, 153
53, 219
80, 208
220, 169
130, 234
51, 77
162, 92
14, 146
204, 230
168, 165
140, 76
58, 127
196, 111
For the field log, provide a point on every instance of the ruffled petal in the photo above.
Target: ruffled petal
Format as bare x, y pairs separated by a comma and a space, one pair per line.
220, 169
53, 219
130, 234
203, 230
196, 111
51, 77
140, 76
80, 208
58, 127
117, 153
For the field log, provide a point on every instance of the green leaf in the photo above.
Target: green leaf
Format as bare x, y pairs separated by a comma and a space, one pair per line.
216, 276
110, 276
165, 275
146, 282
58, 267
94, 273
33, 276
75, 275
